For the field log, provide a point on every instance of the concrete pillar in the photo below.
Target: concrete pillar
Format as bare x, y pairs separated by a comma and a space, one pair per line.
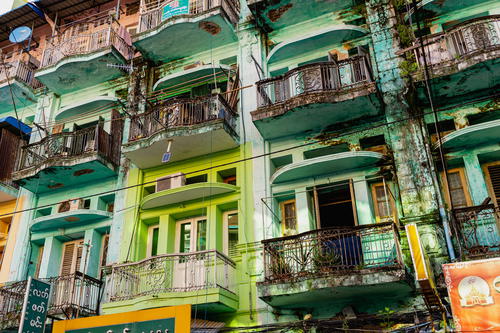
91, 253
363, 201
475, 179
51, 259
305, 220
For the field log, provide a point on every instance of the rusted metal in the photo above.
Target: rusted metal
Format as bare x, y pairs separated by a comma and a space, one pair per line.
181, 112
330, 251
9, 148
476, 230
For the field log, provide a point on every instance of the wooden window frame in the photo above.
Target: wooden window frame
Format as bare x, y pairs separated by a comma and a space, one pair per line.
73, 268
149, 246
101, 255
225, 219
283, 218
465, 184
392, 202
39, 261
489, 184
194, 231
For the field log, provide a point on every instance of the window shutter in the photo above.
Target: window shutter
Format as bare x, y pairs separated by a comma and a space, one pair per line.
79, 251
104, 254
67, 259
494, 171
39, 261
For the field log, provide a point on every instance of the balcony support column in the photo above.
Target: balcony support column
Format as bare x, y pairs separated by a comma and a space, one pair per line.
362, 200
475, 178
91, 253
51, 259
305, 208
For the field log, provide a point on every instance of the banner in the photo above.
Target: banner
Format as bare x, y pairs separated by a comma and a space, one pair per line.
474, 290
35, 307
173, 8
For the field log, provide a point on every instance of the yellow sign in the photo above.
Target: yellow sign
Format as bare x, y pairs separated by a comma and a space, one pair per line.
417, 253
177, 319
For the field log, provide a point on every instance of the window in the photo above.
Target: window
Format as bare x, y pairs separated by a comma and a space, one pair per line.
289, 217
39, 261
153, 235
104, 250
71, 257
493, 176
383, 202
231, 233
191, 235
458, 197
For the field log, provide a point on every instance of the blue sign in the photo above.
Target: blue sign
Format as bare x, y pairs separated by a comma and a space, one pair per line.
36, 304
166, 325
175, 7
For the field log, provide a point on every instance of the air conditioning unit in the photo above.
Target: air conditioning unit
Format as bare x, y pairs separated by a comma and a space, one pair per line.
170, 181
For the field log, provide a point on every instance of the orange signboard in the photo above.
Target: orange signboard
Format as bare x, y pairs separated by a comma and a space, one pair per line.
474, 290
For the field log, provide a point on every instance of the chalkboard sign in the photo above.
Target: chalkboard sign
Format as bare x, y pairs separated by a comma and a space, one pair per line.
36, 303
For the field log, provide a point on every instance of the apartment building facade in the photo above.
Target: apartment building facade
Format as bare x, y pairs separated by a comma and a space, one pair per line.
256, 159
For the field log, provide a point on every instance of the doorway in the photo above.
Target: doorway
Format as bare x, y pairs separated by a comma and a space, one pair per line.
336, 206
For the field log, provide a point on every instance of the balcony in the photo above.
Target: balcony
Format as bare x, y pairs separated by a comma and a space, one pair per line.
79, 57
476, 231
21, 76
277, 14
434, 8
174, 279
462, 60
332, 265
164, 27
473, 136
315, 96
72, 295
196, 127
69, 158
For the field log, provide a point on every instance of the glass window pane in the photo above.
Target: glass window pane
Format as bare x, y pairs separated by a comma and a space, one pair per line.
201, 241
154, 245
232, 226
289, 214
185, 238
457, 191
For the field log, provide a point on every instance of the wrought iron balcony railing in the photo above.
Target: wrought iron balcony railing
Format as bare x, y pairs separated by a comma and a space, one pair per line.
72, 295
180, 112
171, 273
153, 12
87, 36
317, 77
67, 145
326, 252
474, 37
20, 70
476, 230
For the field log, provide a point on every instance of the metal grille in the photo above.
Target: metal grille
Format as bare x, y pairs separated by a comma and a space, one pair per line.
180, 112
67, 145
476, 230
87, 37
152, 10
317, 77
71, 295
471, 37
330, 251
171, 273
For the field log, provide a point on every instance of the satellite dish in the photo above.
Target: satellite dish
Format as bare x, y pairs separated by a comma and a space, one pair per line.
20, 34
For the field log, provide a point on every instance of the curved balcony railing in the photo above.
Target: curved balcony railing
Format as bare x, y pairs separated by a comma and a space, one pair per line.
153, 12
476, 36
323, 252
317, 77
87, 37
20, 70
476, 230
70, 145
171, 273
180, 112
72, 295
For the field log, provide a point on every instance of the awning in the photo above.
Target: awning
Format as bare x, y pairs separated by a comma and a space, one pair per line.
181, 79
13, 124
205, 326
73, 110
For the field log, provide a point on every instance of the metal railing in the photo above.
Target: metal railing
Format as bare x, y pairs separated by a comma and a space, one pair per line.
21, 71
317, 77
69, 145
153, 12
72, 295
325, 252
472, 37
87, 37
171, 273
180, 112
476, 230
